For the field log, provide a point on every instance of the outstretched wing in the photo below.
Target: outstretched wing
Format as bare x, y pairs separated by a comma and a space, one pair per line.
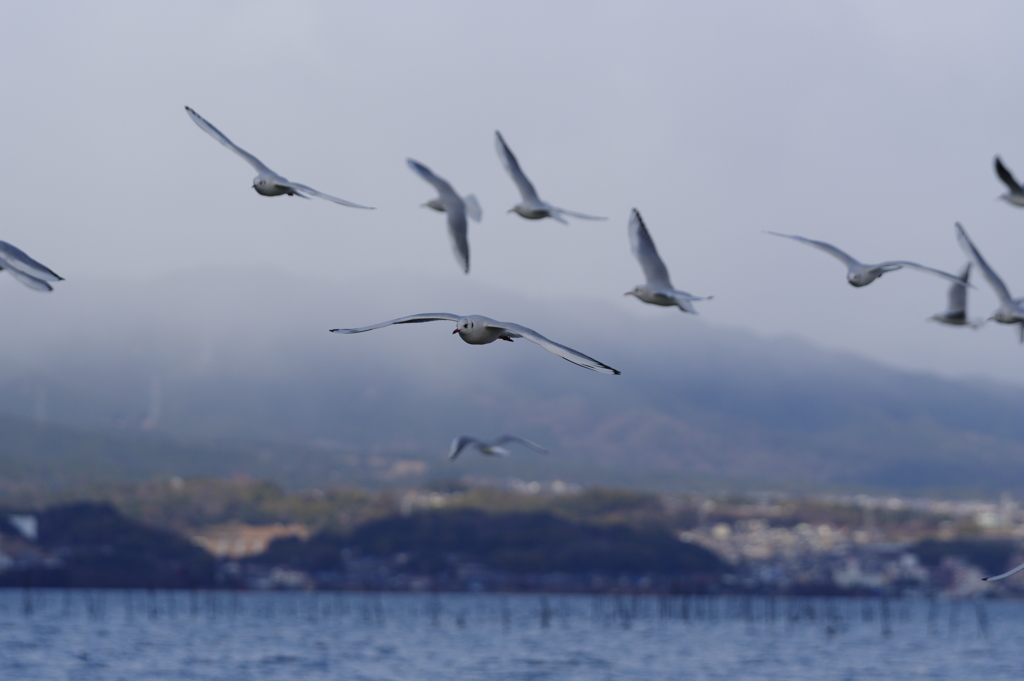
993, 279
558, 349
444, 189
460, 443
411, 319
896, 264
1005, 574
26, 279
1007, 178
526, 189
574, 214
521, 440
828, 248
309, 190
454, 207
223, 139
643, 248
18, 260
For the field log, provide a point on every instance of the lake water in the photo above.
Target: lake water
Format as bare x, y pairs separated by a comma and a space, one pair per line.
111, 635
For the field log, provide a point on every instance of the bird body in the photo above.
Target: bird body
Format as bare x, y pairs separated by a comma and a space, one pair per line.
1015, 193
480, 330
858, 274
456, 208
25, 269
530, 206
492, 448
267, 182
657, 290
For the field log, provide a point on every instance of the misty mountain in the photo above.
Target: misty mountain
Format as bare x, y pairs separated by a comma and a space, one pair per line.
221, 368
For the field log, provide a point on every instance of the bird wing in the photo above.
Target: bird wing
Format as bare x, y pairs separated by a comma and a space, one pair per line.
309, 190
828, 248
18, 260
1005, 574
993, 279
521, 440
223, 139
411, 319
526, 189
957, 298
460, 443
26, 279
574, 214
454, 207
472, 207
1007, 177
890, 265
643, 248
551, 346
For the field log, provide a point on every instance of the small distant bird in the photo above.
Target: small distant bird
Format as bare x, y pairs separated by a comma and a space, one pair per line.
1005, 574
267, 183
531, 207
29, 272
1011, 311
658, 289
457, 208
1016, 193
480, 330
859, 274
956, 305
492, 448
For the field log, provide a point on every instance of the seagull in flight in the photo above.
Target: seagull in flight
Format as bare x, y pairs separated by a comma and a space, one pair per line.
531, 207
1011, 311
456, 207
1016, 193
479, 330
492, 448
267, 183
658, 289
956, 305
857, 273
29, 272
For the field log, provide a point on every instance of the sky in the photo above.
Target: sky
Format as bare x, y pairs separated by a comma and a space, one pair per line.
871, 125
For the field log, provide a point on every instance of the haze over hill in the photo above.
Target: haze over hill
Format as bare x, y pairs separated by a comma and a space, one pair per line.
187, 365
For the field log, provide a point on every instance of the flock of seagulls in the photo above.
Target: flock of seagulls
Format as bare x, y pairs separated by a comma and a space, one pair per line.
657, 288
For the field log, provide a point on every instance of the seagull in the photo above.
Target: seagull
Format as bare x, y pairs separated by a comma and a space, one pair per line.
1010, 311
455, 206
29, 272
267, 183
479, 330
1016, 193
859, 274
531, 207
956, 307
493, 448
1005, 574
658, 289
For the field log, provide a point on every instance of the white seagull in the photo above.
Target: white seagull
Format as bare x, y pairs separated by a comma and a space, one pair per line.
1010, 311
457, 208
531, 207
479, 330
492, 448
658, 289
859, 274
267, 183
956, 305
29, 272
1016, 193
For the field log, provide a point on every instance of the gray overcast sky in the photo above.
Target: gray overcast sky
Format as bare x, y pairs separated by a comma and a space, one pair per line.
870, 125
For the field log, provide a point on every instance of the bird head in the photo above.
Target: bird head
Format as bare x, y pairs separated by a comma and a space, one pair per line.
464, 325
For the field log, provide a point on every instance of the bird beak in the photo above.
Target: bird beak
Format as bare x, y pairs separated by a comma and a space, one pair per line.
455, 331
629, 293
511, 210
